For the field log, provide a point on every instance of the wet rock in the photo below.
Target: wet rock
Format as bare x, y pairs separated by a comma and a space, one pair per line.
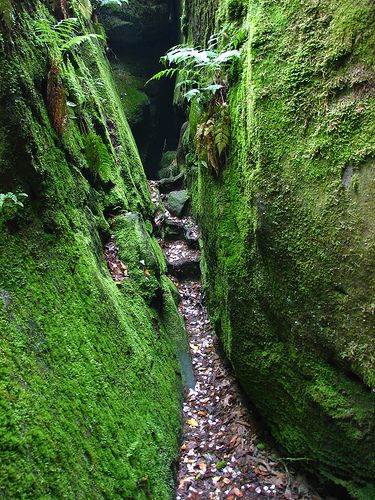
171, 183
185, 268
192, 238
136, 23
173, 230
141, 249
167, 159
182, 261
177, 201
168, 165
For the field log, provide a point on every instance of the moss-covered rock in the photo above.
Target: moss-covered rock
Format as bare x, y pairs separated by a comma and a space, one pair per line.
90, 384
168, 166
288, 228
176, 202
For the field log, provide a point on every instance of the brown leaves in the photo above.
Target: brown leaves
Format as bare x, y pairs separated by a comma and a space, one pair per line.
56, 99
205, 143
218, 458
118, 270
213, 136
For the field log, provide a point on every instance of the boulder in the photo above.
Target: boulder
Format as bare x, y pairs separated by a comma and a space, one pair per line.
177, 201
142, 250
168, 165
171, 183
173, 230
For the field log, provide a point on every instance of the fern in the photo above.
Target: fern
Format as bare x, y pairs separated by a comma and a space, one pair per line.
212, 139
104, 3
63, 35
79, 40
165, 73
203, 75
98, 158
222, 131
196, 65
10, 204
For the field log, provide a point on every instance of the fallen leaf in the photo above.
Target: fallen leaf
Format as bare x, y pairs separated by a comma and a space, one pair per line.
238, 493
192, 422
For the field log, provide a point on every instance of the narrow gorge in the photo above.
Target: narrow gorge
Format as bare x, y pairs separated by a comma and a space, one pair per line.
187, 249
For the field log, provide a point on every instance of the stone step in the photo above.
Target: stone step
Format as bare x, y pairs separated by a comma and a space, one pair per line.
182, 261
182, 229
171, 183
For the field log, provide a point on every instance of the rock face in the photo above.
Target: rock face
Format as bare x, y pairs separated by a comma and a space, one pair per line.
288, 226
136, 23
139, 33
91, 389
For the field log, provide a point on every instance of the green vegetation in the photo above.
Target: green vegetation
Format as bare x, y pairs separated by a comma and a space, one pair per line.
288, 226
10, 204
203, 82
98, 159
62, 35
90, 387
201, 72
107, 3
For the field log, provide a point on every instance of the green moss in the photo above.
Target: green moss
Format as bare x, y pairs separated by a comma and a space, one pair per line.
131, 91
90, 385
97, 156
288, 242
236, 10
6, 11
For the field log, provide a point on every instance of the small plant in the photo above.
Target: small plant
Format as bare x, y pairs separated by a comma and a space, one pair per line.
212, 138
107, 3
64, 35
98, 158
62, 38
10, 203
196, 67
203, 79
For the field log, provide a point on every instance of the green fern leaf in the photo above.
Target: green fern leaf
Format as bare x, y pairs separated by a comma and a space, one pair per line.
165, 73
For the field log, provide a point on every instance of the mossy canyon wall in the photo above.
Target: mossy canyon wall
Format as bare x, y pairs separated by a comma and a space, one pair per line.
289, 226
90, 387
90, 382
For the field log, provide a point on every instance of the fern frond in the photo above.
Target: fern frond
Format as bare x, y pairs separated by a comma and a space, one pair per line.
186, 83
63, 34
79, 40
165, 73
226, 56
191, 94
221, 131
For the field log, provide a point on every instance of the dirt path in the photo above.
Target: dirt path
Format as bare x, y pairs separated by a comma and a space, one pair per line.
219, 458
220, 454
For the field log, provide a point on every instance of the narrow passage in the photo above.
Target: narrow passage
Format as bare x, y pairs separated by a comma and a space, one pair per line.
219, 455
